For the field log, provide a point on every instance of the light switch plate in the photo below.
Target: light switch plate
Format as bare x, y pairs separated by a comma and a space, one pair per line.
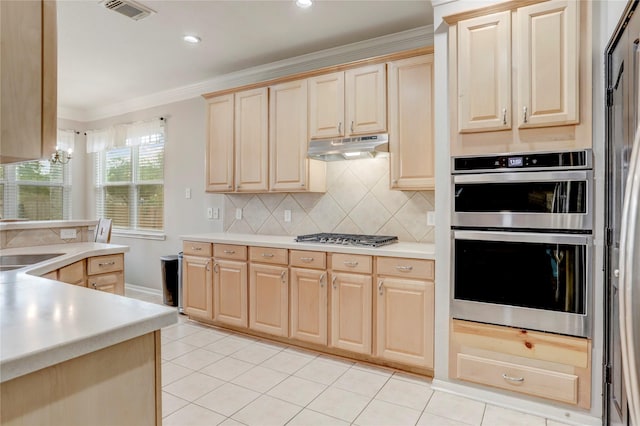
67, 234
238, 213
187, 193
216, 213
287, 215
431, 218
210, 213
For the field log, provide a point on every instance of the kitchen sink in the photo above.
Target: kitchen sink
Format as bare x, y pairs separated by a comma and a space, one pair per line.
16, 261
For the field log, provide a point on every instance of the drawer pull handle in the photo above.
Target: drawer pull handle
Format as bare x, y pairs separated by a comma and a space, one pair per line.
306, 259
106, 263
269, 255
380, 287
350, 263
283, 277
404, 268
216, 268
512, 379
323, 279
229, 252
196, 248
333, 282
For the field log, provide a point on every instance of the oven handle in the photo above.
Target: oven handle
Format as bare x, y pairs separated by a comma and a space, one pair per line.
525, 237
516, 176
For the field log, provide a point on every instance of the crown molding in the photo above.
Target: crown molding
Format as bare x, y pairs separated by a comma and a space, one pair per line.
405, 40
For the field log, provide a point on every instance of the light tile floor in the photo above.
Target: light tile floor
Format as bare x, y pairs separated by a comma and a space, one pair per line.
212, 376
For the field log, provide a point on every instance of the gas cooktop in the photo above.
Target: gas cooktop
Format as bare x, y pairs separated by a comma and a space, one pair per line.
348, 239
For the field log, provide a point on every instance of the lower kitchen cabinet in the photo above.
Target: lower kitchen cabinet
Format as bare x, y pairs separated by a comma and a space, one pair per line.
230, 292
106, 273
269, 291
544, 365
351, 312
405, 311
308, 305
73, 274
197, 286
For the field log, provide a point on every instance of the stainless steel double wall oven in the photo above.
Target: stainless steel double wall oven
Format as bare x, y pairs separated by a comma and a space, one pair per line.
522, 240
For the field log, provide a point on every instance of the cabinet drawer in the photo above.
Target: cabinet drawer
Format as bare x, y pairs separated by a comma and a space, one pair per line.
73, 273
102, 264
228, 251
351, 263
269, 255
406, 268
308, 259
518, 378
195, 248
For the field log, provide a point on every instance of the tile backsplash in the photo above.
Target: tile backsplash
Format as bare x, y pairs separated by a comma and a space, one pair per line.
358, 201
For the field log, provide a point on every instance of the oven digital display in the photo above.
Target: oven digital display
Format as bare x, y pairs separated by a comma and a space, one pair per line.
515, 161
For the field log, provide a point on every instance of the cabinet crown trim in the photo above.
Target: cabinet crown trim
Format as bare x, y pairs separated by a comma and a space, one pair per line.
494, 8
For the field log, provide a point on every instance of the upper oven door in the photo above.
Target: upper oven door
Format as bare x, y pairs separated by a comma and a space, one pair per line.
559, 200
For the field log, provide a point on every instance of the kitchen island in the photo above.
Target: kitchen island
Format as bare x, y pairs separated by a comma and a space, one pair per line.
72, 355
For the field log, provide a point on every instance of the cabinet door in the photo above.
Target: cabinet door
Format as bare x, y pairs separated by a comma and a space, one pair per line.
269, 299
73, 274
28, 80
220, 144
484, 73
197, 286
288, 136
326, 106
351, 312
230, 292
405, 321
112, 282
251, 140
548, 78
308, 308
366, 99
411, 126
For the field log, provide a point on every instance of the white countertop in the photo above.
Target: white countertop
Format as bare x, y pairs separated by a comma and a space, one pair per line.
36, 224
400, 249
45, 322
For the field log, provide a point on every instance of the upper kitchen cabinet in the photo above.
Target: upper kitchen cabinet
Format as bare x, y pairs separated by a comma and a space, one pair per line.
251, 140
348, 103
28, 79
411, 130
220, 144
521, 77
289, 168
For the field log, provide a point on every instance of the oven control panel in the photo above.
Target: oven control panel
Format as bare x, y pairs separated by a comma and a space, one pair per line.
530, 161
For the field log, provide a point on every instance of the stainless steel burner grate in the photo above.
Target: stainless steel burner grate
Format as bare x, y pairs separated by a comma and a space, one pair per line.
348, 239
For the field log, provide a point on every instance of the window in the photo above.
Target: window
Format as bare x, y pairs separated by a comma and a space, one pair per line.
35, 190
130, 180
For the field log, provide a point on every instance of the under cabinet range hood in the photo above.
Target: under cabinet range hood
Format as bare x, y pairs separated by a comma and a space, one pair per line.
354, 148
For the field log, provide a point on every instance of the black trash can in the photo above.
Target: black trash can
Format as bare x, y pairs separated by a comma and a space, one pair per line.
169, 279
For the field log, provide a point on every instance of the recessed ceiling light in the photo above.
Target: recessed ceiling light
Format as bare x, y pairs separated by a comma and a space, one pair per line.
192, 39
304, 3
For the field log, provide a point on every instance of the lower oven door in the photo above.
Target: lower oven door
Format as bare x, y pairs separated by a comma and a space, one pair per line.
538, 281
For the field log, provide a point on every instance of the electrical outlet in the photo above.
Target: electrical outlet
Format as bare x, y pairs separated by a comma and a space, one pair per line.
187, 193
210, 213
216, 213
67, 234
287, 215
431, 218
238, 213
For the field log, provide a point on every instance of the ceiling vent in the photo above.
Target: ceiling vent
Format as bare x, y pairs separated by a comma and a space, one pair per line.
128, 8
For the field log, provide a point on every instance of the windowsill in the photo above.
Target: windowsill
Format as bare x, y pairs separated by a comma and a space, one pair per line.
142, 235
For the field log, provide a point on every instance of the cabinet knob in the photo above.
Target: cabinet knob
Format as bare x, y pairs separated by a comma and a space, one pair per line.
616, 273
94, 285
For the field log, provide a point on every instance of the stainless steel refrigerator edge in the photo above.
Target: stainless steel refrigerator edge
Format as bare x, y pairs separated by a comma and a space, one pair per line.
622, 254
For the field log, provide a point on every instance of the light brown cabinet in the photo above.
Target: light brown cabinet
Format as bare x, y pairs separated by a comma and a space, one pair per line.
411, 129
351, 302
518, 75
73, 274
106, 273
308, 301
230, 302
28, 80
269, 290
251, 140
220, 167
348, 103
543, 365
405, 311
289, 168
197, 279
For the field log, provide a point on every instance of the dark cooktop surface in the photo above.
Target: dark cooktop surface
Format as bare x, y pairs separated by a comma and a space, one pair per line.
348, 239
